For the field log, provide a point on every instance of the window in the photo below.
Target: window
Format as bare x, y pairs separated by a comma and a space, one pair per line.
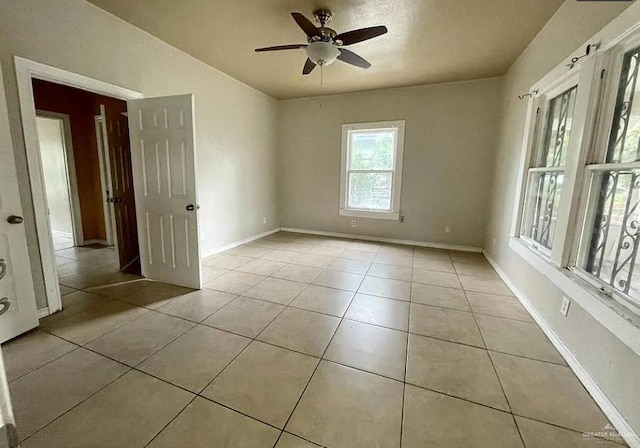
371, 175
546, 176
609, 251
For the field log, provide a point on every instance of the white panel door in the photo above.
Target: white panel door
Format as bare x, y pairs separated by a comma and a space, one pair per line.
16, 284
163, 157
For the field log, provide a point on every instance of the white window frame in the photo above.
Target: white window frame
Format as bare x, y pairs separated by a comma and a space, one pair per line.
393, 213
599, 73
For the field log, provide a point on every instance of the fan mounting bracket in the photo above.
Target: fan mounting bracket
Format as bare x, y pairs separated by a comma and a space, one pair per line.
323, 16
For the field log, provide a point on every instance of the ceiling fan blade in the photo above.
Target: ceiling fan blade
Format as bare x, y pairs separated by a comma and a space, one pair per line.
282, 47
351, 58
305, 24
308, 67
355, 36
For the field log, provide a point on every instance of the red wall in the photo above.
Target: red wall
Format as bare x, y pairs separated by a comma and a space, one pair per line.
81, 107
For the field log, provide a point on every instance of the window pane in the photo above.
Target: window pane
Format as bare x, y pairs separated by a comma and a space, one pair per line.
613, 248
558, 129
371, 150
623, 143
370, 191
541, 206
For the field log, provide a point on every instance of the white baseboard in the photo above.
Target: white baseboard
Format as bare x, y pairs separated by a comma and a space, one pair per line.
455, 247
609, 409
43, 312
240, 243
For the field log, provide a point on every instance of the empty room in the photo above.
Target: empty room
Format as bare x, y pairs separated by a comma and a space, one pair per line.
299, 224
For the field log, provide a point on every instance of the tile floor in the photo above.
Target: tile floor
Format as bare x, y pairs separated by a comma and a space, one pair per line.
296, 341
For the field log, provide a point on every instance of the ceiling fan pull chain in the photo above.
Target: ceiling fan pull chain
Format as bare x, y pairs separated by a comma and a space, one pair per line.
322, 75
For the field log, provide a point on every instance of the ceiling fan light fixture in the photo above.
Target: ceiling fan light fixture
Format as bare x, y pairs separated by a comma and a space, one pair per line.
322, 53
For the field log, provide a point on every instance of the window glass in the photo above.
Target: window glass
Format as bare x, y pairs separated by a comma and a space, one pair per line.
542, 204
558, 129
370, 191
372, 150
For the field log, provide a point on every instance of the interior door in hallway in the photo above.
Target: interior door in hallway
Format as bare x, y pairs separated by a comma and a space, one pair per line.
17, 297
164, 161
116, 138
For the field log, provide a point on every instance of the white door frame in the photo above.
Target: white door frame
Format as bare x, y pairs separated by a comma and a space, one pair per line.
105, 184
26, 71
72, 180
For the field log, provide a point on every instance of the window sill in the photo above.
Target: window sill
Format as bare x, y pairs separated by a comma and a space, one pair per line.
390, 216
620, 321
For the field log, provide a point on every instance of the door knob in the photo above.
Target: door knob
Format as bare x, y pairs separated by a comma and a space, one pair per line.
192, 207
5, 303
117, 200
13, 219
3, 268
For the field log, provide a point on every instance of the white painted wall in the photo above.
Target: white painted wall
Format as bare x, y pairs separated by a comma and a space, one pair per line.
235, 124
448, 159
612, 365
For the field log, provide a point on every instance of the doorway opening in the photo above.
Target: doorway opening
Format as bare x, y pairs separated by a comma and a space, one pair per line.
86, 171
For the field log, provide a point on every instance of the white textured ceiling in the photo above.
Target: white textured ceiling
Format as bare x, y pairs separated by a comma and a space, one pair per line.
429, 41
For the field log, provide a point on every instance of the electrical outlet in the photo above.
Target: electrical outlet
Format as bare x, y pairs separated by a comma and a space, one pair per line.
447, 229
353, 223
564, 308
401, 219
264, 220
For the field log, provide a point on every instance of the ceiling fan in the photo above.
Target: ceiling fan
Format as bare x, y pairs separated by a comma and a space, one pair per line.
325, 45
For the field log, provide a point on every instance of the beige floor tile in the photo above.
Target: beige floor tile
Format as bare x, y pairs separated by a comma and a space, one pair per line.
316, 261
440, 323
32, 350
323, 300
234, 282
112, 417
347, 408
428, 253
436, 278
396, 250
369, 347
474, 269
297, 247
264, 382
487, 285
435, 420
267, 244
136, 341
379, 311
282, 256
71, 267
300, 330
261, 267
358, 255
120, 290
247, 317
391, 271
89, 325
197, 305
517, 338
66, 290
194, 429
298, 273
540, 435
209, 273
249, 251
155, 295
290, 441
430, 264
364, 246
276, 290
339, 280
355, 266
394, 259
95, 277
342, 243
195, 358
455, 369
327, 251
439, 296
72, 304
227, 261
468, 257
386, 287
44, 394
547, 392
498, 306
